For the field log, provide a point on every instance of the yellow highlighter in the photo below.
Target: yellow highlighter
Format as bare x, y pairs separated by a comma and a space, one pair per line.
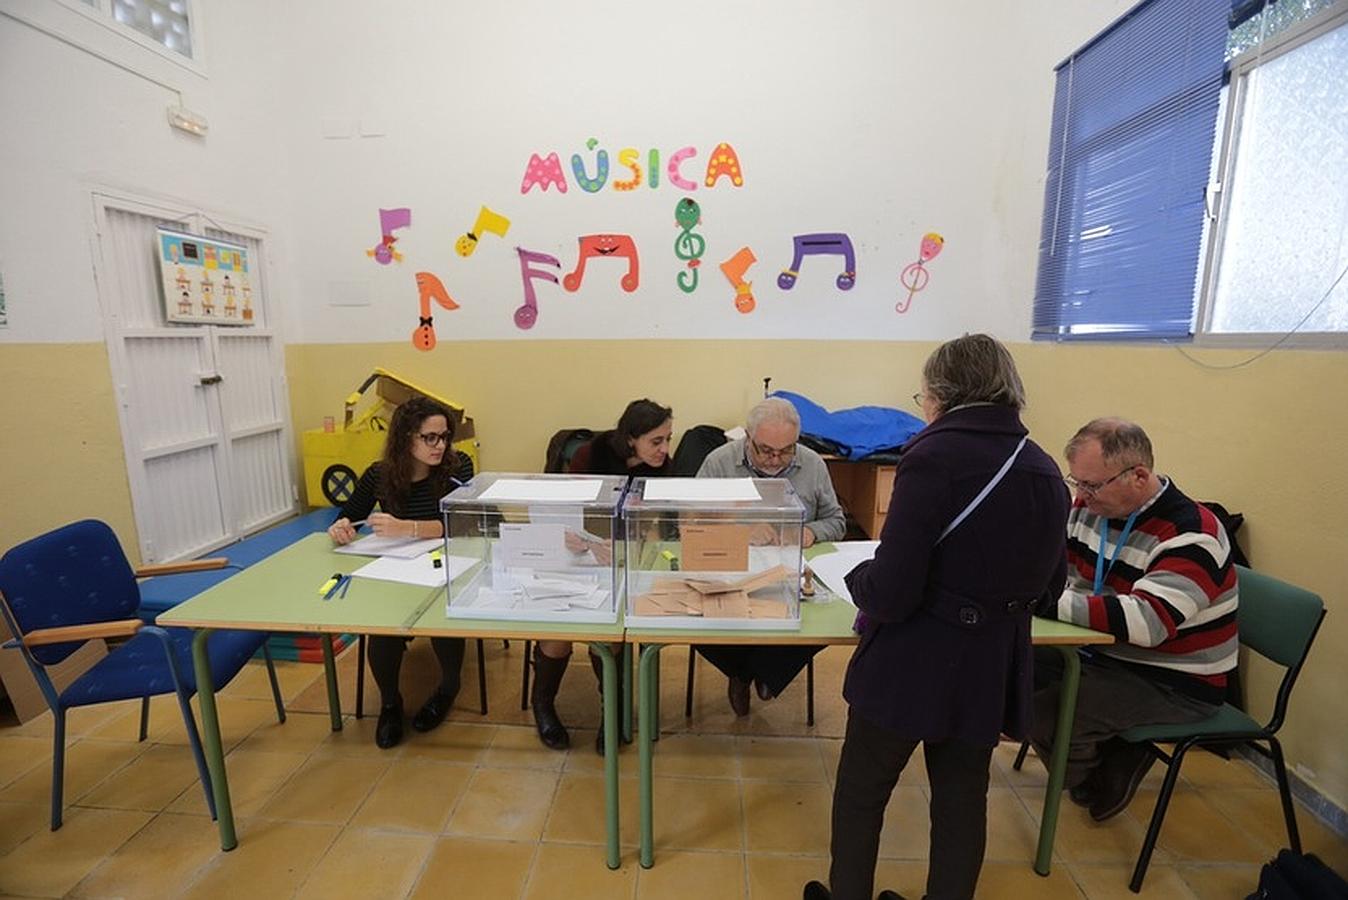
326, 588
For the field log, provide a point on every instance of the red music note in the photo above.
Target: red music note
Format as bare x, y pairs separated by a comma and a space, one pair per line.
604, 245
429, 288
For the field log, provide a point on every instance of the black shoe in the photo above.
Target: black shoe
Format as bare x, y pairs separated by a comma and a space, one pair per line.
389, 730
1117, 779
737, 691
1083, 794
889, 895
816, 891
764, 692
433, 711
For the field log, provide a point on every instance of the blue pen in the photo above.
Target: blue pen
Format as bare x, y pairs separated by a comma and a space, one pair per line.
346, 585
336, 585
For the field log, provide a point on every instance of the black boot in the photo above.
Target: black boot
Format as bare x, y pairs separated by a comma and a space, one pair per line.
597, 665
548, 674
388, 731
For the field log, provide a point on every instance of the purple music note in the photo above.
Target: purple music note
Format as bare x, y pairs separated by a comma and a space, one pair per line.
390, 220
527, 315
816, 244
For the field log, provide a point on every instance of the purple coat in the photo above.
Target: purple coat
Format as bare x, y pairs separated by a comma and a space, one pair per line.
946, 653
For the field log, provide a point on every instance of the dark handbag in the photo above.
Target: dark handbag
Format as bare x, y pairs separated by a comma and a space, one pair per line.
1299, 876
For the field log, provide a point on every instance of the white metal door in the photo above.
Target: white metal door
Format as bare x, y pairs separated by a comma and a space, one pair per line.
203, 408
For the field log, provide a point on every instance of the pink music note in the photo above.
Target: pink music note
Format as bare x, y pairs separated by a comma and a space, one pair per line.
604, 245
527, 315
390, 220
915, 276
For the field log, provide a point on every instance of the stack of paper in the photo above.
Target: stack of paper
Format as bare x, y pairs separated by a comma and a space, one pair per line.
402, 548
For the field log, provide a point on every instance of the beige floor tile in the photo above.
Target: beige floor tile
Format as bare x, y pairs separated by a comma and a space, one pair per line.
582, 758
1258, 813
509, 804
696, 814
157, 861
151, 782
87, 763
272, 860
780, 759
907, 830
697, 756
21, 754
356, 739
1228, 882
678, 875
787, 818
292, 676
254, 776
451, 742
577, 814
515, 747
566, 870
1032, 773
1018, 881
50, 863
1110, 882
1207, 770
1012, 834
300, 733
326, 789
469, 869
126, 725
1194, 831
414, 795
1080, 839
773, 877
368, 863
18, 821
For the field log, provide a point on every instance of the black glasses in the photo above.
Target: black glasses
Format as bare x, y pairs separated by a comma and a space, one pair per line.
435, 439
1094, 487
773, 452
918, 398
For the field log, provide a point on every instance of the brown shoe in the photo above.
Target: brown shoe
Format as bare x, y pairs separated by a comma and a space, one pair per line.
737, 690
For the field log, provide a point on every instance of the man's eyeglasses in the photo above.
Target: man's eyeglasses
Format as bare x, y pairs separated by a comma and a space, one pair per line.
918, 398
435, 438
782, 453
1094, 487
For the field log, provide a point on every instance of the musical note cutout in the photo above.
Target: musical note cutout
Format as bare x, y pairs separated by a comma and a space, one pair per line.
390, 220
688, 246
488, 222
606, 245
821, 244
915, 276
527, 315
734, 270
429, 288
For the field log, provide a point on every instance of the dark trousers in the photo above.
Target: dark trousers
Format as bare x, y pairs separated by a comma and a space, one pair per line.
1111, 698
872, 759
386, 660
773, 666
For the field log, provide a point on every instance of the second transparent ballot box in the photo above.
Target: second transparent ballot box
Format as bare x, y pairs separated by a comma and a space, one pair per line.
713, 553
534, 548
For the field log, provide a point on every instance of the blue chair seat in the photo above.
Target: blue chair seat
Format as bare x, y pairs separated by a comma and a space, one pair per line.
1226, 721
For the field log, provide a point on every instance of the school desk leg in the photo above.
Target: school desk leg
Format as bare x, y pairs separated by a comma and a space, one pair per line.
648, 688
611, 703
211, 746
330, 673
1057, 768
628, 696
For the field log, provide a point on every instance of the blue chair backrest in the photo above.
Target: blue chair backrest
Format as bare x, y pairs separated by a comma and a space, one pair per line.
74, 575
1276, 619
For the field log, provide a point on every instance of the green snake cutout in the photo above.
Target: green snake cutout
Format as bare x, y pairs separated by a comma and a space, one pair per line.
688, 246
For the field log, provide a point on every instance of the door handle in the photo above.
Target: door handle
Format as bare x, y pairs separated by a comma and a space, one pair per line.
211, 379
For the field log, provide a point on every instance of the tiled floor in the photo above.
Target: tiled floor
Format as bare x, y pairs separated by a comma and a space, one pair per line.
478, 809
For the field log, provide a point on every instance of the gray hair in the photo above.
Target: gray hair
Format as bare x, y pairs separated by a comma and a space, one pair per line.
1121, 441
975, 368
772, 409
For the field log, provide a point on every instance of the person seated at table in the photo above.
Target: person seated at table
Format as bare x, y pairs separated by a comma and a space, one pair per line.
972, 541
770, 450
638, 446
418, 468
1153, 568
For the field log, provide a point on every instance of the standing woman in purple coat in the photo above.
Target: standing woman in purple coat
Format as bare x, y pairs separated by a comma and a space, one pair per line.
975, 535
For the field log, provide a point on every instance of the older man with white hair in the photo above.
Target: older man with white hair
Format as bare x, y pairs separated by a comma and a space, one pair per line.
769, 449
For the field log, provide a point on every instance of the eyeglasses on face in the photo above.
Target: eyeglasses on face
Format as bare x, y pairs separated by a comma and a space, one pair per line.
918, 398
435, 438
1094, 487
773, 452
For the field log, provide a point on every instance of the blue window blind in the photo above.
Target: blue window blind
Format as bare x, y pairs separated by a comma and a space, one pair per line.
1129, 157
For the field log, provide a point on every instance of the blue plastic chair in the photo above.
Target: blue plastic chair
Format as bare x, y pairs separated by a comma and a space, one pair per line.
73, 585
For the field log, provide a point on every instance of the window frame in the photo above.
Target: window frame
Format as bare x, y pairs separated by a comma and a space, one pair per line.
1241, 67
100, 13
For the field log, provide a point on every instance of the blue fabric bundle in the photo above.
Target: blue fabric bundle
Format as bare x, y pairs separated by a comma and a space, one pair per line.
859, 431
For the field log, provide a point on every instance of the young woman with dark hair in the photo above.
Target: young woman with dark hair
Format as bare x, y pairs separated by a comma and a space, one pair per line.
417, 469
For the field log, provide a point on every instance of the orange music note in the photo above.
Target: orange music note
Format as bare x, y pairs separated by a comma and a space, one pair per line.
429, 288
734, 270
488, 222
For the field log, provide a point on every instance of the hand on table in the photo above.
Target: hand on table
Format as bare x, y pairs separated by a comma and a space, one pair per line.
341, 531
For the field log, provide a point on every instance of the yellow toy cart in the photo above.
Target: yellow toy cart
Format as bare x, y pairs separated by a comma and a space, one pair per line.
334, 457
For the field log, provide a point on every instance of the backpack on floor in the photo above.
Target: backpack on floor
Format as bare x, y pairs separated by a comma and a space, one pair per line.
1299, 876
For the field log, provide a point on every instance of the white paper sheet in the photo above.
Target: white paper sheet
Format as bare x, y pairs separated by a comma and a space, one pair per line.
529, 490
420, 571
832, 568
402, 548
536, 546
701, 489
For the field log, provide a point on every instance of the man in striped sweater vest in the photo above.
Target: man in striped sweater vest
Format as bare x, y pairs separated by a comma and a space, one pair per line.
1153, 568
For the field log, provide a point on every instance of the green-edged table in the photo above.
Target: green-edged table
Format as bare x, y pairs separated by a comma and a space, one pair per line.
280, 593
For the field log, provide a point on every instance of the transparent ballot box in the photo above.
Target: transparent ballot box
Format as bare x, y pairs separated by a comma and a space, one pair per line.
713, 553
534, 547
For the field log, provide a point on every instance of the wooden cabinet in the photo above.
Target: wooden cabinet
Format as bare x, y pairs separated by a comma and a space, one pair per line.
864, 489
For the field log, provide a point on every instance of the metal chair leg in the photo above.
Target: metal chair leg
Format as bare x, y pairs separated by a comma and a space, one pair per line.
58, 766
482, 676
1158, 815
688, 694
144, 718
1020, 755
524, 676
1285, 790
275, 685
360, 676
809, 693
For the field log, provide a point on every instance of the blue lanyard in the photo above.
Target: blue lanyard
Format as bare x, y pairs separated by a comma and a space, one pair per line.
1101, 567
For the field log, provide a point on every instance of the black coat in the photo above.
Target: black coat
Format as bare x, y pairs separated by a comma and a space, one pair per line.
942, 657
597, 457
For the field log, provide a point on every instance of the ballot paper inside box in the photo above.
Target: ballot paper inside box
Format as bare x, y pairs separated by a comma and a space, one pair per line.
717, 557
544, 547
